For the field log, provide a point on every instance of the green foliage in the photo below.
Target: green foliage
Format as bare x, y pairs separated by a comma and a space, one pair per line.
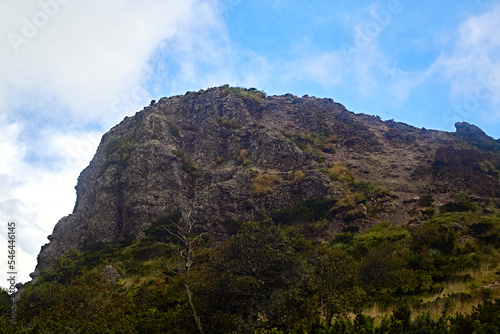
174, 129
436, 236
460, 206
66, 268
429, 212
249, 271
487, 231
228, 123
5, 303
385, 269
158, 230
187, 165
314, 141
356, 193
243, 158
268, 278
119, 145
380, 233
308, 211
426, 200
251, 94
336, 277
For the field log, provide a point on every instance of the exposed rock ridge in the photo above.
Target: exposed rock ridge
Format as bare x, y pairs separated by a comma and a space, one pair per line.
203, 151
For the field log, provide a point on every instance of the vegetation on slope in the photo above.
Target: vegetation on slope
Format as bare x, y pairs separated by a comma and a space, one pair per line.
269, 278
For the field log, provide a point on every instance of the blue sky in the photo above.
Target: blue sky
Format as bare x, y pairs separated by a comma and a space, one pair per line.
71, 69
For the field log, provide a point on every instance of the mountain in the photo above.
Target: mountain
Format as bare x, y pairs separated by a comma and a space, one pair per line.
229, 211
228, 155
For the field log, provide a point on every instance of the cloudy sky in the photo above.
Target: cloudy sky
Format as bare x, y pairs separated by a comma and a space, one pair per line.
71, 69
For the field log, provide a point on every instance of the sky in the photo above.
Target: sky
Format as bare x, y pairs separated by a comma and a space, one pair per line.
72, 69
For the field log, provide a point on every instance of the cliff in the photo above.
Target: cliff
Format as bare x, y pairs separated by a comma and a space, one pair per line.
229, 154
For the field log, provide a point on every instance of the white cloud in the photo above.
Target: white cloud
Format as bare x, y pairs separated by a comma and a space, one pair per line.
70, 66
473, 67
89, 52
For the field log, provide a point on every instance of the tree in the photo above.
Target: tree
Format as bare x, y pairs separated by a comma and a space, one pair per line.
187, 240
256, 274
336, 279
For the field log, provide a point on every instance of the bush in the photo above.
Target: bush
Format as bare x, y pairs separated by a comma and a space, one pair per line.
228, 123
187, 166
243, 159
306, 212
426, 200
251, 94
296, 176
174, 129
119, 145
461, 206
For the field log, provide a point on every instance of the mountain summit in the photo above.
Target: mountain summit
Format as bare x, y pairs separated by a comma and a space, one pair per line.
229, 155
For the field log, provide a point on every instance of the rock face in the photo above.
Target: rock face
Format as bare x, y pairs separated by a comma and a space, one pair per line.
227, 154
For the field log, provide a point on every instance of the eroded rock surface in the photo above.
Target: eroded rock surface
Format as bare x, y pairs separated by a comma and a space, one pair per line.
203, 152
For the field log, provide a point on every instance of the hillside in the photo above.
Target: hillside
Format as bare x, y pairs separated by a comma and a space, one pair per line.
294, 212
226, 154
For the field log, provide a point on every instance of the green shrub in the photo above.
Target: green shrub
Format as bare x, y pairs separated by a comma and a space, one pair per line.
251, 94
243, 159
158, 230
314, 142
380, 233
296, 175
428, 212
187, 166
426, 200
228, 123
66, 268
460, 206
119, 145
305, 212
481, 228
174, 129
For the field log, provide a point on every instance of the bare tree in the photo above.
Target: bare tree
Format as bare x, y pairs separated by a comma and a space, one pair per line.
184, 234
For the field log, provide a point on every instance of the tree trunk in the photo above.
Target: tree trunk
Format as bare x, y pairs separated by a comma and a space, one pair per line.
196, 318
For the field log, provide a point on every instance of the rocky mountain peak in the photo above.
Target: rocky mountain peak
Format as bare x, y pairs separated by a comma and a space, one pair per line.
229, 155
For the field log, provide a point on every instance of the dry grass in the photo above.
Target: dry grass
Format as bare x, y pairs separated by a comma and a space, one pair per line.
243, 159
264, 183
436, 304
296, 176
340, 173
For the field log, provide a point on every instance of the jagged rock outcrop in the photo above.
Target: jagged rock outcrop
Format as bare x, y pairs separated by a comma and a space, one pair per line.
227, 154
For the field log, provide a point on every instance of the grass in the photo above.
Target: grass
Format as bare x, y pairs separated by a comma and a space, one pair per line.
380, 233
263, 184
307, 141
153, 270
228, 123
296, 175
460, 296
340, 173
187, 165
250, 94
243, 159
174, 129
119, 145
